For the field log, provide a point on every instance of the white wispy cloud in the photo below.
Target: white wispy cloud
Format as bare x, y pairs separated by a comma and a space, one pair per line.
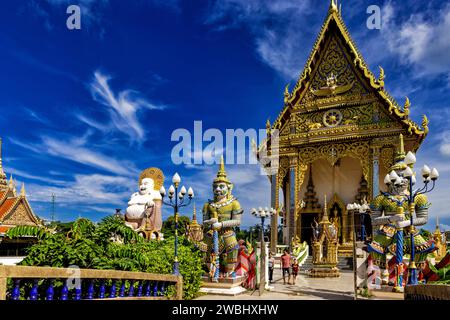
275, 26
123, 107
79, 150
85, 190
26, 175
421, 41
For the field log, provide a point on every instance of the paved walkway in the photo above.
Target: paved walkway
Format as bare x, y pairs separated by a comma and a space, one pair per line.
305, 288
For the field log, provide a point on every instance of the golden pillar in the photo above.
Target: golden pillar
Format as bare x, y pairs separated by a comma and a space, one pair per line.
274, 194
301, 170
293, 199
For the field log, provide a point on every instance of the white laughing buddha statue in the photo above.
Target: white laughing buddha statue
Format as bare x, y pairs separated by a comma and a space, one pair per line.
144, 208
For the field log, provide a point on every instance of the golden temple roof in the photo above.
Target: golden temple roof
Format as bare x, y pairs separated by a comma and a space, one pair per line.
14, 209
334, 20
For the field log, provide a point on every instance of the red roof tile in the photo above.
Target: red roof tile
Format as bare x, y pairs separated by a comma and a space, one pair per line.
6, 206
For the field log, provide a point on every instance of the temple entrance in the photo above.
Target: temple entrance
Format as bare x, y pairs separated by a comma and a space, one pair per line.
307, 228
363, 227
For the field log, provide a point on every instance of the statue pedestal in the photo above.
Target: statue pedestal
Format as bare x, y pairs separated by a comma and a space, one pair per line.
324, 271
345, 250
225, 286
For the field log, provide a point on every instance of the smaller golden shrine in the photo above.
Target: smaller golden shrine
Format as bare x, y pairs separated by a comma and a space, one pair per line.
194, 230
440, 242
325, 248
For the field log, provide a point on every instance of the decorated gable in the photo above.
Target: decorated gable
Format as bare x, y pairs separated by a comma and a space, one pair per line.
20, 214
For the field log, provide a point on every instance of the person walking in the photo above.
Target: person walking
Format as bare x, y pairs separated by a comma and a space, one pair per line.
294, 270
286, 264
271, 267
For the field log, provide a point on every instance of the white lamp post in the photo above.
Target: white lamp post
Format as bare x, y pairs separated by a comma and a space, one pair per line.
262, 214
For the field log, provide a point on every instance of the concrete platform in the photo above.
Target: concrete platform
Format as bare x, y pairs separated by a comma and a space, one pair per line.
224, 286
233, 291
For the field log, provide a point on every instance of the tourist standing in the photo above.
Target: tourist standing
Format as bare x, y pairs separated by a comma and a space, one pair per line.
271, 266
286, 264
294, 270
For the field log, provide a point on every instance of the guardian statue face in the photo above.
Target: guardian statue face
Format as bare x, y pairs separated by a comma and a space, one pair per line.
147, 186
399, 189
221, 190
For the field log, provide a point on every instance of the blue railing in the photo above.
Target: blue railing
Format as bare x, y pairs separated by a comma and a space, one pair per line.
38, 283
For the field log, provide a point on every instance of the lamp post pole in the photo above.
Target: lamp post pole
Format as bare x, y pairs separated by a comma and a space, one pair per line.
362, 209
262, 214
176, 203
262, 282
355, 285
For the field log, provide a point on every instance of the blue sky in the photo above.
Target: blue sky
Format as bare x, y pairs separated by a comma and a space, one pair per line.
84, 111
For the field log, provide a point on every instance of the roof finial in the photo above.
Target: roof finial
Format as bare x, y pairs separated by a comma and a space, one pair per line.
11, 183
22, 190
406, 107
334, 6
3, 181
286, 94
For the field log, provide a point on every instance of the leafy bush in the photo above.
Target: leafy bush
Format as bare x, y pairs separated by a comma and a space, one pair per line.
92, 246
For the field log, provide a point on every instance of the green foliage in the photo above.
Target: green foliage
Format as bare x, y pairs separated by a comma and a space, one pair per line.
168, 227
59, 226
82, 228
365, 292
112, 226
29, 231
88, 245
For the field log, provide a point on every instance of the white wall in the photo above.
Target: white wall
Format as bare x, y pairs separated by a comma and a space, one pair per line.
10, 261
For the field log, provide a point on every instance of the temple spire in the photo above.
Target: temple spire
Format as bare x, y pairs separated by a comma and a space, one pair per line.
22, 190
12, 185
194, 215
325, 210
3, 181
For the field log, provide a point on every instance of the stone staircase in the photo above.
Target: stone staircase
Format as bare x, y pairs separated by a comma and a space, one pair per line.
307, 265
344, 263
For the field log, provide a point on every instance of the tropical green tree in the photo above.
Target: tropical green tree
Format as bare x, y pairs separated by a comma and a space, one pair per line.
110, 244
168, 228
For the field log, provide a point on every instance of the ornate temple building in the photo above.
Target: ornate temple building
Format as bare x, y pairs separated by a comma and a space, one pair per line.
15, 210
338, 133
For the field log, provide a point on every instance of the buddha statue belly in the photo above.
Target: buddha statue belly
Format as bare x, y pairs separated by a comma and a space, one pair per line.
144, 207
